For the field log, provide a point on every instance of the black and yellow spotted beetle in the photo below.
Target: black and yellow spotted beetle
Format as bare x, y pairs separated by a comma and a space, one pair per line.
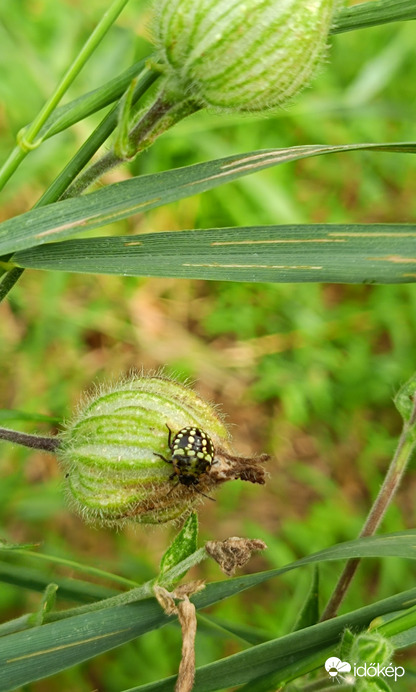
192, 455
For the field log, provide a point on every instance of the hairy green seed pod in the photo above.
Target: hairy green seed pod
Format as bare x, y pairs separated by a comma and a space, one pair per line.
242, 54
117, 453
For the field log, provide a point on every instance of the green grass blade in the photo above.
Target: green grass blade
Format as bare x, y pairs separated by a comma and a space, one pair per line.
71, 589
399, 544
377, 253
309, 615
283, 653
399, 627
30, 655
26, 551
11, 414
120, 200
41, 651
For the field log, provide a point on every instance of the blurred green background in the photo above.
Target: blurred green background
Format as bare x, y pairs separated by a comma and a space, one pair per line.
306, 373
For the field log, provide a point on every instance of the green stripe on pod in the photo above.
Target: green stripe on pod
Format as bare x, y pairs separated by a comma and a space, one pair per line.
118, 458
241, 54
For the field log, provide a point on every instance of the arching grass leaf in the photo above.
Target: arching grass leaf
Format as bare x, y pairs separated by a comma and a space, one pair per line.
64, 219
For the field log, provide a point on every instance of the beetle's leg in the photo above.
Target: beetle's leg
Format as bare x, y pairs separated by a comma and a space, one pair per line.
168, 461
170, 436
173, 486
201, 493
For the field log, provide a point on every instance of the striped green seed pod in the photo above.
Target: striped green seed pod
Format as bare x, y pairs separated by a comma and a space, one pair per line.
117, 453
246, 55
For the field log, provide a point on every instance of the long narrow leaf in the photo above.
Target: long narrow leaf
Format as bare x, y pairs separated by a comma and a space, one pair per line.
44, 650
399, 544
120, 200
277, 654
39, 652
35, 580
384, 253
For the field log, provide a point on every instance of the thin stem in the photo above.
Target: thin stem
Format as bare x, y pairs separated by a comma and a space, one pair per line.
16, 625
373, 13
49, 444
161, 115
77, 163
12, 162
26, 139
93, 101
137, 594
85, 53
405, 448
136, 136
94, 142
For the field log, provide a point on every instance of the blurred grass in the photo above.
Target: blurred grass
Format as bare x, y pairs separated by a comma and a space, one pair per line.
306, 373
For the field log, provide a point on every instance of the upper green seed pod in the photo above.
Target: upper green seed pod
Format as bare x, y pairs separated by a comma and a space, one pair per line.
115, 453
242, 54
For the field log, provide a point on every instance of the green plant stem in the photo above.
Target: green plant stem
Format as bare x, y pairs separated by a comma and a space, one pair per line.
77, 163
12, 162
373, 13
161, 115
137, 594
26, 139
404, 451
94, 142
16, 625
93, 101
49, 444
85, 53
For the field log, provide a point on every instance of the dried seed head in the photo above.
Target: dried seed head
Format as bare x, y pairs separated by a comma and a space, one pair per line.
242, 54
120, 461
234, 552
